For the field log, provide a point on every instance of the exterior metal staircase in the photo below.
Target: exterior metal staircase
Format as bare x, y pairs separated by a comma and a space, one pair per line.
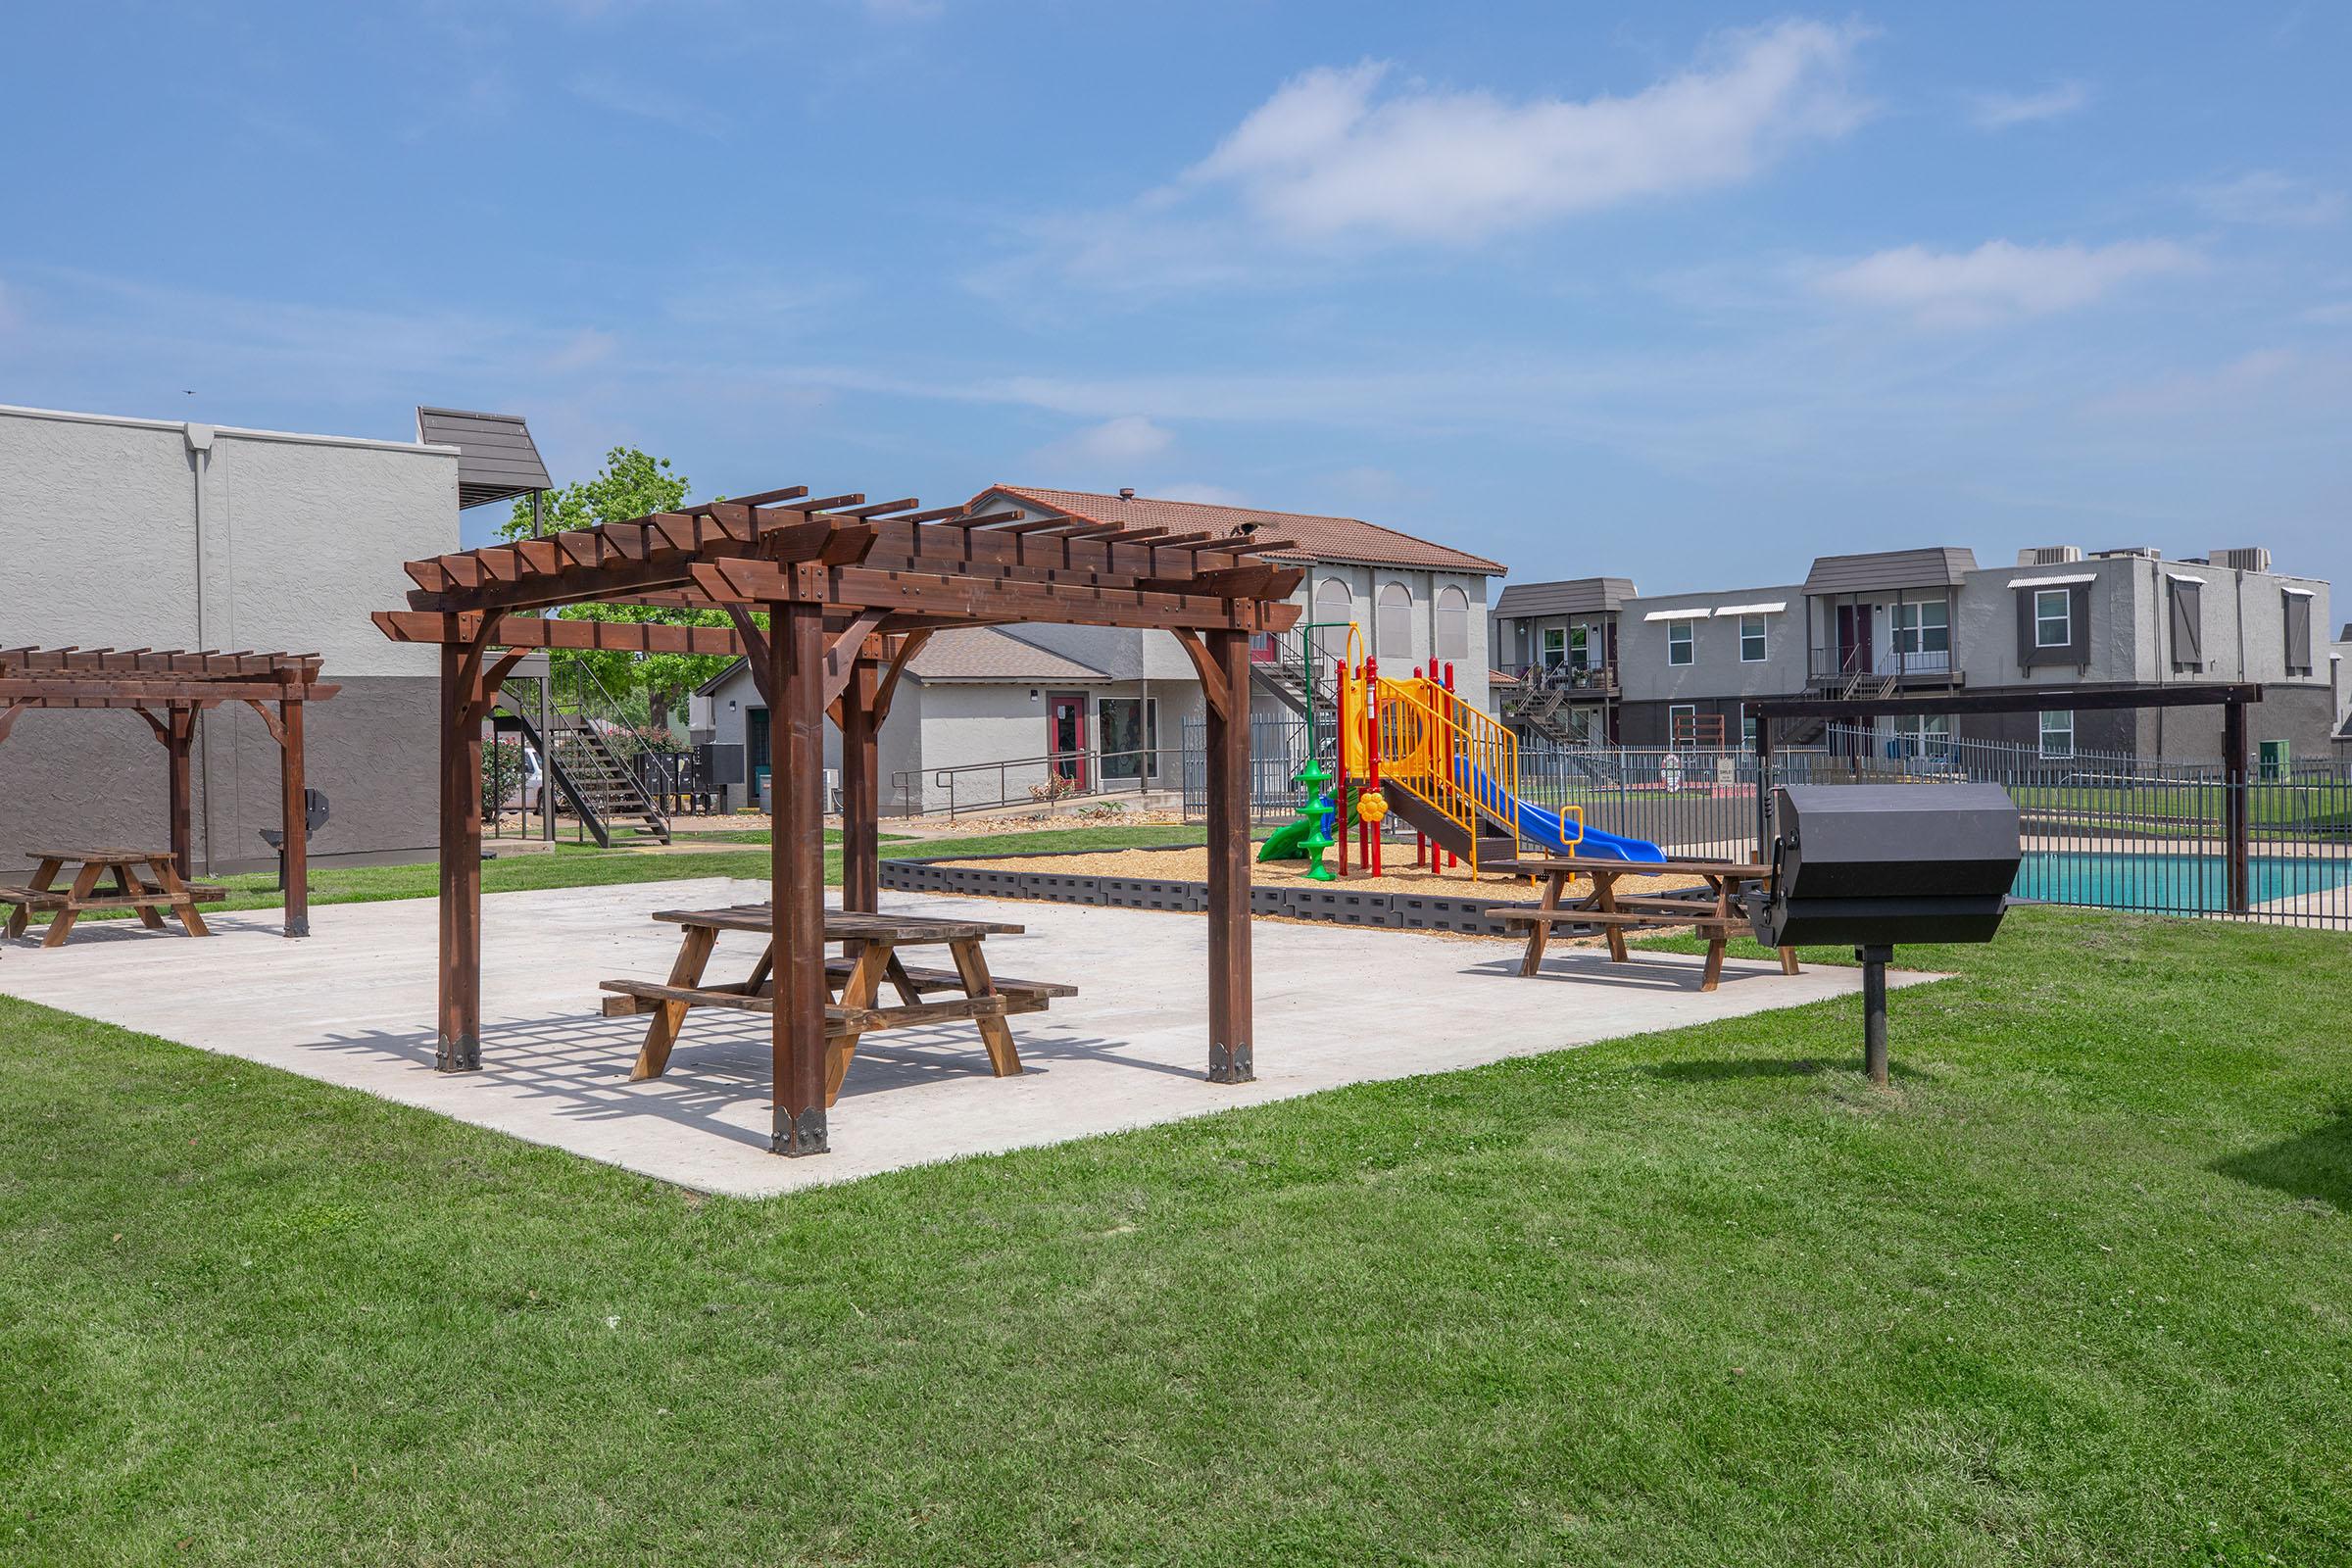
596, 777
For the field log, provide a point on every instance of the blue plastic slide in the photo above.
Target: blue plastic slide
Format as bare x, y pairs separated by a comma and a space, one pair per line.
1547, 828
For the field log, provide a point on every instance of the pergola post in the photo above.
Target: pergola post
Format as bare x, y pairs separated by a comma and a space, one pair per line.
180, 732
796, 649
295, 818
460, 1048
2236, 819
861, 790
1230, 1057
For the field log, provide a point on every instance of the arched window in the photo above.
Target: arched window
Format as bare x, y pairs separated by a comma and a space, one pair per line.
1453, 624
1333, 603
1392, 629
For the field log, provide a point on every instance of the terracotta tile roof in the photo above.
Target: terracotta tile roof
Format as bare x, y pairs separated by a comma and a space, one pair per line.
975, 654
986, 653
1319, 538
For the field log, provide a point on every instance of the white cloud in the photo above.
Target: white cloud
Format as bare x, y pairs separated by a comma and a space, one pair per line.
1999, 110
1330, 155
2271, 199
1130, 438
2336, 313
2194, 392
1208, 495
641, 101
1999, 279
1341, 159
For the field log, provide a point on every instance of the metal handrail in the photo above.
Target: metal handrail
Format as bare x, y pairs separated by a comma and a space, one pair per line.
906, 783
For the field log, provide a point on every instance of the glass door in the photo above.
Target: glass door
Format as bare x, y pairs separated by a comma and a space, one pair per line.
1066, 735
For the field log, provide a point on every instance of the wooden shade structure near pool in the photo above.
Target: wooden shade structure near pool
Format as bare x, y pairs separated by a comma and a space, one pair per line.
848, 592
168, 688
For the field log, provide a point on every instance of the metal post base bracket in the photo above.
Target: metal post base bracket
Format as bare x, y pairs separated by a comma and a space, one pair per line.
795, 1136
298, 928
1231, 1065
458, 1056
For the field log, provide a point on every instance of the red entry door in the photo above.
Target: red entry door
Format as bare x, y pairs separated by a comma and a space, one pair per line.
1853, 639
1066, 735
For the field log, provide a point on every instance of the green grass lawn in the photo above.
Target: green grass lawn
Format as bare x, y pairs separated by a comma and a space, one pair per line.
576, 867
2073, 1292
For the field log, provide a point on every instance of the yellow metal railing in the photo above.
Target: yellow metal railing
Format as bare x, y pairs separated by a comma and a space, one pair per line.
1440, 747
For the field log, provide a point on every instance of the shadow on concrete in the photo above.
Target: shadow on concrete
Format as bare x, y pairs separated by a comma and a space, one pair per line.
718, 1075
1632, 975
2316, 1167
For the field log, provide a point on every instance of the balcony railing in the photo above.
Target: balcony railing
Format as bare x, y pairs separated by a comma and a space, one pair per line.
1832, 667
1589, 681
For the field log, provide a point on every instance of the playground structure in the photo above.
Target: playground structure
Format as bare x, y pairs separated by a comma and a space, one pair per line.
1413, 749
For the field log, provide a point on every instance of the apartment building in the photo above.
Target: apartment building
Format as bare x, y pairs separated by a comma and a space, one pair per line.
988, 712
1686, 666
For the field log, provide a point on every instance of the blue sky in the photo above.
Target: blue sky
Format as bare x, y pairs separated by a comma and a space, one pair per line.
1683, 293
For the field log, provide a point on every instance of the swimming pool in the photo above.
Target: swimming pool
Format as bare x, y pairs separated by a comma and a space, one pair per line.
2184, 884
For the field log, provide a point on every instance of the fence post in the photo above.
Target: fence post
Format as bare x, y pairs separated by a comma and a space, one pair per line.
2236, 819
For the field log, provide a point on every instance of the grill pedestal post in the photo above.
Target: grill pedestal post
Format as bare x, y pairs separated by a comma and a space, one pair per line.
1874, 1011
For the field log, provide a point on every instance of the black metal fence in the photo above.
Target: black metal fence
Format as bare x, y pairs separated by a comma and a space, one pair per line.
2116, 831
2104, 830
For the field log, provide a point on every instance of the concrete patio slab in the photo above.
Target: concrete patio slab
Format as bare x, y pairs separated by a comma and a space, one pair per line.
353, 1005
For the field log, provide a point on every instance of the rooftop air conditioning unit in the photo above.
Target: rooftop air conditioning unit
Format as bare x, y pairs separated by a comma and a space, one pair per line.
2050, 556
2129, 553
2251, 558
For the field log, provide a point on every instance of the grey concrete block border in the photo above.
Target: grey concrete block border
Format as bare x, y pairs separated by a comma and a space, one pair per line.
1339, 905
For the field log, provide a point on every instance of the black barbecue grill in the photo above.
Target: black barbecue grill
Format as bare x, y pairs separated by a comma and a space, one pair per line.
1874, 864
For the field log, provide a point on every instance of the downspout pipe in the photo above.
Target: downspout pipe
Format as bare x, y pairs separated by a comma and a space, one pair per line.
198, 438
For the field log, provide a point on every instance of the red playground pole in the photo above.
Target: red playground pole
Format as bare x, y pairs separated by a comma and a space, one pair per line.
1452, 859
1420, 839
1338, 814
1371, 830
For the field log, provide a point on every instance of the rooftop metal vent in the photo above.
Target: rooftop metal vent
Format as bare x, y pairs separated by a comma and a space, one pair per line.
2049, 554
2128, 552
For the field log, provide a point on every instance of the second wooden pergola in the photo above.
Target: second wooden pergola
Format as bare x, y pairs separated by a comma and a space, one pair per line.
848, 592
168, 688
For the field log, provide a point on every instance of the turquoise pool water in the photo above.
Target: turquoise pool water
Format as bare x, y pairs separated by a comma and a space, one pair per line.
2177, 883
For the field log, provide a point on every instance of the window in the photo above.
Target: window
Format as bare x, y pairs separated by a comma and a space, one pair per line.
1681, 724
1556, 646
2053, 619
1452, 623
1393, 624
1580, 648
1130, 728
1678, 644
2187, 624
1752, 639
1748, 727
2058, 735
1926, 627
1918, 736
1333, 606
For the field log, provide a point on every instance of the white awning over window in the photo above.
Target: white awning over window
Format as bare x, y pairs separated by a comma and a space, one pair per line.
1700, 614
2053, 582
2297, 592
2186, 576
1773, 609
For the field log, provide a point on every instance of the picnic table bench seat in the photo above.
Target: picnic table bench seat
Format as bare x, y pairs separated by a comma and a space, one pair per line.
870, 961
145, 881
1716, 916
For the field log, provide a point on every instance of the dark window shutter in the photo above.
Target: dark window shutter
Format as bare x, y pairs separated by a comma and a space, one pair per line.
2026, 651
2298, 633
2077, 629
2188, 624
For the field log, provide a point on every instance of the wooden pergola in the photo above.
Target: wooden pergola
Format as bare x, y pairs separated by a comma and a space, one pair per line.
848, 591
168, 688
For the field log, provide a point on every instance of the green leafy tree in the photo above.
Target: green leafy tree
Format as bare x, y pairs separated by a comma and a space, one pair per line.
631, 484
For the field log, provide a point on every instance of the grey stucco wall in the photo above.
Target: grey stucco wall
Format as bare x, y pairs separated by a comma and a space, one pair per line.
1421, 588
1716, 670
133, 533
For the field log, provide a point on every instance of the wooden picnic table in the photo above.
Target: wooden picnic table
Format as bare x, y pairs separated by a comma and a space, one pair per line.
1718, 920
871, 944
164, 894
